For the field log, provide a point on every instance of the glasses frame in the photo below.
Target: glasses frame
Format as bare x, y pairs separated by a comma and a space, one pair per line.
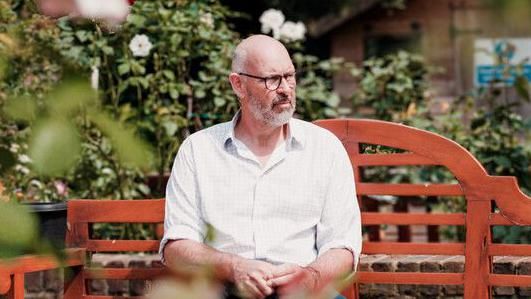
283, 76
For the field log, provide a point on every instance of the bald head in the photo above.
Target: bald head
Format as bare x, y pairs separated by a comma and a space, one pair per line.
257, 49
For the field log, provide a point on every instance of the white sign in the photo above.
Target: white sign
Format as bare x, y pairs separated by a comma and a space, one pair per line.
496, 59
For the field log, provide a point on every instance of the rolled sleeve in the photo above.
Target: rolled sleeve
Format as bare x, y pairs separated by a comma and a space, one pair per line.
340, 223
182, 218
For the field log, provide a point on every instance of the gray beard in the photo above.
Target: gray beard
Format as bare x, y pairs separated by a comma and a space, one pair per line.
268, 116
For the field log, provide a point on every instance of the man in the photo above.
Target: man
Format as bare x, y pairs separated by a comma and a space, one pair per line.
277, 192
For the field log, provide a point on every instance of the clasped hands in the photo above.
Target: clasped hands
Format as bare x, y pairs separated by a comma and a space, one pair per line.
258, 279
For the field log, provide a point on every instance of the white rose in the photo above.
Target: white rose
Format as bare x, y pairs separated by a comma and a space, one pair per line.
109, 10
291, 31
140, 45
35, 183
22, 169
24, 159
271, 20
95, 77
14, 147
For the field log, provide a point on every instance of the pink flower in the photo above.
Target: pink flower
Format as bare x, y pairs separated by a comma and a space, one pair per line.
61, 187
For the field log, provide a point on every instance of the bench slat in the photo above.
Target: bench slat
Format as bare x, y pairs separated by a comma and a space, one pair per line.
411, 278
409, 189
413, 248
122, 245
118, 211
509, 249
123, 273
371, 218
389, 159
510, 280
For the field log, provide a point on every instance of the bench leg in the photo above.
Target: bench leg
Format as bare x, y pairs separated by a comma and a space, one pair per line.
351, 292
74, 283
17, 287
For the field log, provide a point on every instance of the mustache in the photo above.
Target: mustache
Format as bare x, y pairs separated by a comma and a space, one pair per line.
281, 98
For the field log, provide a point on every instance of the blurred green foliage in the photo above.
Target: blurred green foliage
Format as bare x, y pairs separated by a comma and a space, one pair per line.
484, 121
393, 86
18, 229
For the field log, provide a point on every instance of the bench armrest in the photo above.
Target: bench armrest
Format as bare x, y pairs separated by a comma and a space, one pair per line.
33, 263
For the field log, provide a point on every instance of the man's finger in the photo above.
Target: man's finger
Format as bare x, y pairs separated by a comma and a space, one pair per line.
247, 289
284, 269
261, 284
291, 287
281, 280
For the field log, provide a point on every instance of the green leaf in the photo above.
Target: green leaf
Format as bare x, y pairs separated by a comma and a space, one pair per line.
123, 68
219, 102
174, 94
54, 147
330, 112
170, 127
144, 189
108, 50
325, 65
183, 53
82, 35
144, 82
199, 93
136, 20
334, 100
74, 52
137, 68
168, 74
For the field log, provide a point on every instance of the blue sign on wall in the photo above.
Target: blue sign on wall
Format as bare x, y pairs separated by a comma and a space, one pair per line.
501, 60
485, 74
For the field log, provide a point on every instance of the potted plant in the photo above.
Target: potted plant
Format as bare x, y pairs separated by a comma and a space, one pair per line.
46, 198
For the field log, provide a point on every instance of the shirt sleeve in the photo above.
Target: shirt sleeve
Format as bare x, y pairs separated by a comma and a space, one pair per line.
340, 223
182, 218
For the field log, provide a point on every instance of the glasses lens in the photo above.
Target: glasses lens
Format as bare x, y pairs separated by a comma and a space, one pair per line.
272, 83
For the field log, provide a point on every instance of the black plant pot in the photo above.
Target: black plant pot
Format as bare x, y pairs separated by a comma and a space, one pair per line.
52, 221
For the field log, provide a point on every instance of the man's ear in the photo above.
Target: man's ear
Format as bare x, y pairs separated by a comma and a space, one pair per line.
236, 83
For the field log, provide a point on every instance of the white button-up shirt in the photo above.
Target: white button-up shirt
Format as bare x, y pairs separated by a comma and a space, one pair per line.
302, 203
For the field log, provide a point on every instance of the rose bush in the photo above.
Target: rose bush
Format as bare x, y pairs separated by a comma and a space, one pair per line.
164, 73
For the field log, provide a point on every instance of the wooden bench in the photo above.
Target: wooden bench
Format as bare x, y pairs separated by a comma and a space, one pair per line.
419, 148
479, 189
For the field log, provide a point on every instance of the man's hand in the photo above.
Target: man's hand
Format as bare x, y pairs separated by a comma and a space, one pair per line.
290, 278
250, 278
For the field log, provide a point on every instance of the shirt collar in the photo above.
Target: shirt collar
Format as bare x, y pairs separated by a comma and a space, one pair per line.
294, 140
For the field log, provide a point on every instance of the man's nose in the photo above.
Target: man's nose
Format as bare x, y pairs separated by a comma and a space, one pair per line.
284, 86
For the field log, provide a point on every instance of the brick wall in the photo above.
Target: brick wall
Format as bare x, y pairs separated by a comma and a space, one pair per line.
438, 264
48, 284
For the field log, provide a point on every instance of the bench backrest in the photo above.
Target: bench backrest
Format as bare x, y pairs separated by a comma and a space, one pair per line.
422, 148
83, 214
419, 148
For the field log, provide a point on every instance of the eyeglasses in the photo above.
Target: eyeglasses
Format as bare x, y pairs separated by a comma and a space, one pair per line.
273, 82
